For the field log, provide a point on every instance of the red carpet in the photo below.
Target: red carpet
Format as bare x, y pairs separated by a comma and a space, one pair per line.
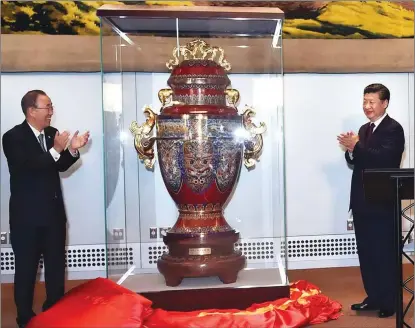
102, 303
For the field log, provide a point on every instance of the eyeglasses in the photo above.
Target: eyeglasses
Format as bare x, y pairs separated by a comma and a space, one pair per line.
47, 108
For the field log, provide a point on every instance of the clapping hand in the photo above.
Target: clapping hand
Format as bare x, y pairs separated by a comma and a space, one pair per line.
78, 141
348, 140
60, 141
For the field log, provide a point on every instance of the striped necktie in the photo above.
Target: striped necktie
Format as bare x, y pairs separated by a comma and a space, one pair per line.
41, 138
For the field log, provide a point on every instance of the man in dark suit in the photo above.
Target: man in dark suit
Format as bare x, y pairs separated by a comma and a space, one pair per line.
36, 152
380, 143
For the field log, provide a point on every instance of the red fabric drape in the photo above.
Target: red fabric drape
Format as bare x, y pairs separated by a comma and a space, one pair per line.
98, 303
101, 303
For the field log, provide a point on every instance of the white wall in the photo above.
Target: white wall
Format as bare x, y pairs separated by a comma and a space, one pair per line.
317, 109
411, 108
77, 101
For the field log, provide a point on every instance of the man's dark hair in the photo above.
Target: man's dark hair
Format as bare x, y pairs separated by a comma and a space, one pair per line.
380, 89
30, 99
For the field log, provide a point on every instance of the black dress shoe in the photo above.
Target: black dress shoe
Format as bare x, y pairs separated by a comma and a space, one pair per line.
23, 323
363, 307
385, 313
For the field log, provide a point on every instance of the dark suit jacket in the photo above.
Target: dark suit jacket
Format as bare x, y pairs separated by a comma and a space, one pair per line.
383, 150
35, 186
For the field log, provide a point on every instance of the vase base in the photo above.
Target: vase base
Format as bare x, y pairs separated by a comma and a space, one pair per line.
226, 268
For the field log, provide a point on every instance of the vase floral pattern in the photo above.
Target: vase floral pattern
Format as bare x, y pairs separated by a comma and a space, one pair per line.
201, 138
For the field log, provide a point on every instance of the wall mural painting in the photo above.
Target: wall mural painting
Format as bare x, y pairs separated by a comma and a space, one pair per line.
304, 19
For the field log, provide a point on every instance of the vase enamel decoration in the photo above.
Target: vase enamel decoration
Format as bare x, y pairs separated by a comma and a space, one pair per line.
201, 142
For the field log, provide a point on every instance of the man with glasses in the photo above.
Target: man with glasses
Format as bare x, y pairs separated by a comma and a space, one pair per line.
36, 152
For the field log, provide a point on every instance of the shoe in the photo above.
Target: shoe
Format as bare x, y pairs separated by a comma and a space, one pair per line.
363, 307
385, 313
23, 323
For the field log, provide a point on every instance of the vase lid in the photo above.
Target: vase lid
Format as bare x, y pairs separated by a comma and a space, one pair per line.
198, 76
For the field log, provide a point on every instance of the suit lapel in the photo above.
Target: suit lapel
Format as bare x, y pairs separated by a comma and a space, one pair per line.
34, 142
31, 138
49, 139
365, 132
382, 124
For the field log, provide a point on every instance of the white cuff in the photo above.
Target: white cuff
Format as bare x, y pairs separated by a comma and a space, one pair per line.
351, 155
75, 154
54, 154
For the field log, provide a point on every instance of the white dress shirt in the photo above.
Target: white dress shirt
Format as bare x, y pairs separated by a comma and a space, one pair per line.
377, 122
52, 151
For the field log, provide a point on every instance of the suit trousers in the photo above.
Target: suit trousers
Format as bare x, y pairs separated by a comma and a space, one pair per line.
29, 243
375, 245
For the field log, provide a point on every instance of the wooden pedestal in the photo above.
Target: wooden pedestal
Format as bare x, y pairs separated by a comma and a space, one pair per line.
254, 285
201, 255
215, 298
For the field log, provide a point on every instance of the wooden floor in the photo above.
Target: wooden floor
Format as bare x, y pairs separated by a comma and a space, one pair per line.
345, 286
341, 284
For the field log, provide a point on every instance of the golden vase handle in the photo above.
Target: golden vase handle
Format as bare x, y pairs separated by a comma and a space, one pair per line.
143, 139
165, 96
232, 96
254, 144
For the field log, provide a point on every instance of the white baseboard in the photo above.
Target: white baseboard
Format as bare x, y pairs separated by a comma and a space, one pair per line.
302, 252
317, 264
77, 275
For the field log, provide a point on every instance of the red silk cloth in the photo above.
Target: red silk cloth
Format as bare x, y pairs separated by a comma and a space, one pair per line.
98, 303
101, 303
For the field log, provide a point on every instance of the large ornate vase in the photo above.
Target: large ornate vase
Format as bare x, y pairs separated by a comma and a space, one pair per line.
201, 142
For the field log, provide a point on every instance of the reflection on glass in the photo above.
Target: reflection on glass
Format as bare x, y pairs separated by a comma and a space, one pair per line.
198, 133
200, 156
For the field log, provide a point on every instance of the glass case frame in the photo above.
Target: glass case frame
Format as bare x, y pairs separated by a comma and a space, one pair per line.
136, 43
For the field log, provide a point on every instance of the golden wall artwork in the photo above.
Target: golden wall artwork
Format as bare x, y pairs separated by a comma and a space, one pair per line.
319, 36
304, 19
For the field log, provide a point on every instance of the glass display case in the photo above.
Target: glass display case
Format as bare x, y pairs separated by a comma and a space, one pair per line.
193, 119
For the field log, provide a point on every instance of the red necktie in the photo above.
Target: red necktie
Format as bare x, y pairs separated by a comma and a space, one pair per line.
370, 131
